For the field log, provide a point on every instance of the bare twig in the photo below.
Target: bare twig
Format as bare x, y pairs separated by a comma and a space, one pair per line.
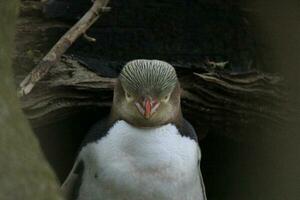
88, 38
54, 55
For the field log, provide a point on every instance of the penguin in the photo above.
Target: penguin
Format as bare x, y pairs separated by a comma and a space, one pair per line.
145, 149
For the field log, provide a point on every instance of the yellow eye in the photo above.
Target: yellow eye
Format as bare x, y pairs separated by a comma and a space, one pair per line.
128, 96
166, 98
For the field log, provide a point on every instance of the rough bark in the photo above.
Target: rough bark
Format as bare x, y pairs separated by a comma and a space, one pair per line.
24, 173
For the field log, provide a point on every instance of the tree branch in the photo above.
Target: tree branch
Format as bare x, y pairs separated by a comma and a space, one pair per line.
54, 55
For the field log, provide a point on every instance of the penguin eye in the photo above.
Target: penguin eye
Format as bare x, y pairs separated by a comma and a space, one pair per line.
128, 96
166, 98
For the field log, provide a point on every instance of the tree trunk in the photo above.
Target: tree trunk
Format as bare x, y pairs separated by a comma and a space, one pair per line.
25, 174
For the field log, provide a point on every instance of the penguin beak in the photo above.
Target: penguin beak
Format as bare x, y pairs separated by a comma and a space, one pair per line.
147, 106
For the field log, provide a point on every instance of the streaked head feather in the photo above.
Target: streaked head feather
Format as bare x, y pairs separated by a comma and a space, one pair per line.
148, 76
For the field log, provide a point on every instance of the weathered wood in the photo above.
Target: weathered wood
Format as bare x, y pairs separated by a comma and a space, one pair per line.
63, 44
216, 100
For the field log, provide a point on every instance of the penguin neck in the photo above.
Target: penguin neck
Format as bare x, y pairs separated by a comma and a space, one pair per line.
114, 116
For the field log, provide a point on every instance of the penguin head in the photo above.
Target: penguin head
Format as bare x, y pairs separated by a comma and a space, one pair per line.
147, 93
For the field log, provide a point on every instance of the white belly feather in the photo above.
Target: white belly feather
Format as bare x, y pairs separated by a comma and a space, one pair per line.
141, 164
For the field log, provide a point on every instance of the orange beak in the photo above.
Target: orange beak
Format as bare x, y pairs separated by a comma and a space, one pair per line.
147, 107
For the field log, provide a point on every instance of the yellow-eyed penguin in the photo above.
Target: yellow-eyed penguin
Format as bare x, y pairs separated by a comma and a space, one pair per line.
145, 149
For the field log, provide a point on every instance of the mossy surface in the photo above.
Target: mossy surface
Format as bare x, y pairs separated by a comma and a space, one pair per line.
24, 173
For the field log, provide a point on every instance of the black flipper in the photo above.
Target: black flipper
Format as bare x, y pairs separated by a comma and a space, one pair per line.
201, 179
72, 183
187, 130
70, 187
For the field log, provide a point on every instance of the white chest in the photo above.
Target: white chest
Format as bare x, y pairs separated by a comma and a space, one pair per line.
131, 163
